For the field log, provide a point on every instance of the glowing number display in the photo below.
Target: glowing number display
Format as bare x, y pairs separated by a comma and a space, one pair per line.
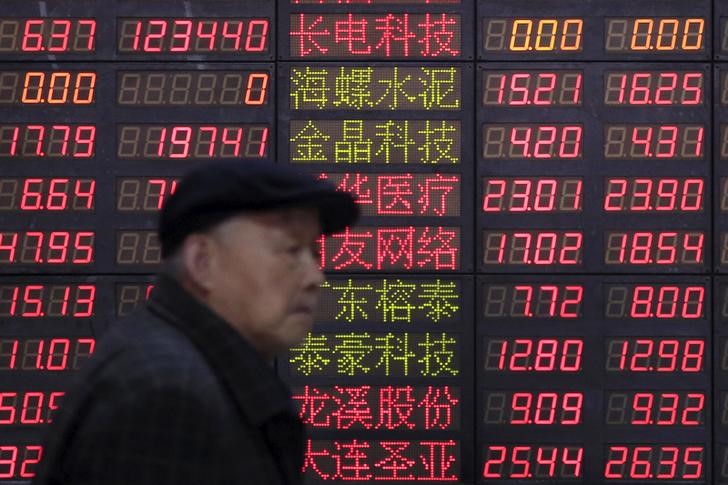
655, 301
353, 141
424, 88
533, 301
44, 354
329, 407
410, 248
47, 88
539, 35
43, 140
635, 142
143, 194
47, 247
533, 408
532, 247
682, 35
191, 141
138, 247
648, 195
401, 194
524, 461
192, 88
535, 195
29, 408
532, 88
631, 408
562, 355
640, 462
47, 35
49, 301
654, 247
47, 194
659, 355
193, 35
526, 141
387, 35
19, 461
664, 88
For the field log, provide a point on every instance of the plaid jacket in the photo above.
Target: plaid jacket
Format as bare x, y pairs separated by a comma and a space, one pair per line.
175, 396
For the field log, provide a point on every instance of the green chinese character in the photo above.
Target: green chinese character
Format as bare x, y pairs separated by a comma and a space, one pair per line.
352, 348
440, 299
310, 355
393, 136
394, 348
307, 145
354, 148
440, 88
351, 301
438, 146
309, 88
438, 358
352, 88
394, 90
395, 301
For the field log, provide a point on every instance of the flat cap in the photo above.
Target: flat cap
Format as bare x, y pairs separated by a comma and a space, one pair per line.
213, 192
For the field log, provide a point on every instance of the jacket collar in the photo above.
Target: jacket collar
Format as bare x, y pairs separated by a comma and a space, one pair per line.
244, 372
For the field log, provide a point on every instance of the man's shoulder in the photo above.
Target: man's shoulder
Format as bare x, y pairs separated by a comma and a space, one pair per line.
145, 350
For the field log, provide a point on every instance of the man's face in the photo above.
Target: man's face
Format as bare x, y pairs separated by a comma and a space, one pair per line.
264, 278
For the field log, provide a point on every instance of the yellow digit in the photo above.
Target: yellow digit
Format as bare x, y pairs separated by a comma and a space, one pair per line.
639, 33
571, 38
550, 34
693, 28
84, 89
673, 25
517, 35
53, 89
32, 77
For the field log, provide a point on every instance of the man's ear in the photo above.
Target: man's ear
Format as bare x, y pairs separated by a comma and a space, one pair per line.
198, 259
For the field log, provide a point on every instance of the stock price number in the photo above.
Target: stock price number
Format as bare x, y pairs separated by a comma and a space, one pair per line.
532, 248
50, 301
46, 354
681, 35
559, 194
28, 407
47, 247
532, 301
654, 194
47, 194
51, 35
660, 88
533, 355
47, 140
630, 408
533, 408
47, 87
654, 301
666, 355
662, 462
542, 89
654, 248
525, 461
532, 35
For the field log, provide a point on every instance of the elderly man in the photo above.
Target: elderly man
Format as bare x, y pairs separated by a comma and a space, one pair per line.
183, 392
